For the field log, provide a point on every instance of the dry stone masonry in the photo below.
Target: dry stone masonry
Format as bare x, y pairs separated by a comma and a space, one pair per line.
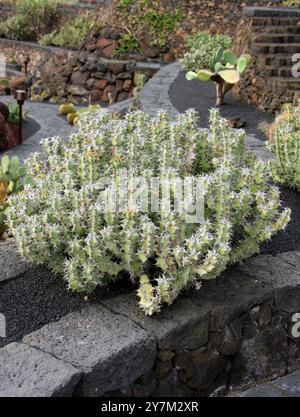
233, 333
272, 37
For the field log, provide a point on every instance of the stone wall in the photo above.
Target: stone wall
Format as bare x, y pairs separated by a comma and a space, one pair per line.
15, 51
83, 75
59, 73
272, 37
234, 332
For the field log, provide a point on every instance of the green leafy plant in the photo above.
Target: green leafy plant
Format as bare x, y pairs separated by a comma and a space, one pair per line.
13, 178
147, 18
225, 71
72, 33
31, 19
285, 144
4, 82
201, 48
14, 111
127, 42
65, 219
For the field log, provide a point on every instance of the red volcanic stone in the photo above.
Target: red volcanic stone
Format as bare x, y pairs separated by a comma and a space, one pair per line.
9, 136
109, 51
4, 110
101, 84
127, 85
104, 43
109, 92
151, 52
169, 57
116, 67
96, 94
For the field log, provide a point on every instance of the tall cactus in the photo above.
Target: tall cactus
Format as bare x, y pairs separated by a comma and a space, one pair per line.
285, 144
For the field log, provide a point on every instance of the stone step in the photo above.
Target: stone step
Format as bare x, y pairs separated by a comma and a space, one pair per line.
281, 85
273, 21
275, 38
278, 60
276, 29
273, 71
270, 49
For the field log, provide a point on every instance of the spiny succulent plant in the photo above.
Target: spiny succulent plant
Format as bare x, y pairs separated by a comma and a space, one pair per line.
59, 220
13, 177
285, 144
225, 70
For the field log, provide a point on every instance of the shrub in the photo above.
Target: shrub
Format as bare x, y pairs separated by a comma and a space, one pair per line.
72, 33
202, 47
32, 18
147, 19
127, 42
13, 177
60, 221
285, 143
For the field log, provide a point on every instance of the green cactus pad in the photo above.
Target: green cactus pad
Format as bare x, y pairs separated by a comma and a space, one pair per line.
230, 57
191, 76
231, 76
242, 64
204, 75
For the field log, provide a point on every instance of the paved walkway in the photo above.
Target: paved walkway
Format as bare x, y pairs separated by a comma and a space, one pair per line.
287, 386
51, 124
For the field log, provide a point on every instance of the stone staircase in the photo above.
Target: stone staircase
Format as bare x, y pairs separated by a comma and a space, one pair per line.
275, 42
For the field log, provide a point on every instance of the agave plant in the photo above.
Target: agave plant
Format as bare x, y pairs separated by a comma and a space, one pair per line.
225, 70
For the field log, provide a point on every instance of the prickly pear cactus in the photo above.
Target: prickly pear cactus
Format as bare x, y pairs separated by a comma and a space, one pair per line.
13, 177
285, 144
60, 222
224, 70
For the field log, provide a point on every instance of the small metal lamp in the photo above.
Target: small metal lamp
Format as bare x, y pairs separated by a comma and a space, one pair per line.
20, 96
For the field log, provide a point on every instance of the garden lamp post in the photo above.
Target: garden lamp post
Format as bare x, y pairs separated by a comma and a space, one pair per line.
20, 96
26, 62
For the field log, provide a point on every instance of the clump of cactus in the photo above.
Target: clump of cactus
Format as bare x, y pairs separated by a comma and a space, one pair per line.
13, 178
285, 144
73, 114
59, 220
225, 70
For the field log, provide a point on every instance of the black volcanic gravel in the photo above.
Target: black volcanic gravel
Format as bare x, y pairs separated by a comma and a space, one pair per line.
38, 297
288, 239
30, 127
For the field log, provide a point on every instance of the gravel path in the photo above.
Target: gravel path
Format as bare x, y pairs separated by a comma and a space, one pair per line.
51, 124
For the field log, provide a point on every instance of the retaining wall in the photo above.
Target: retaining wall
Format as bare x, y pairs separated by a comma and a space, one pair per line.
233, 332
